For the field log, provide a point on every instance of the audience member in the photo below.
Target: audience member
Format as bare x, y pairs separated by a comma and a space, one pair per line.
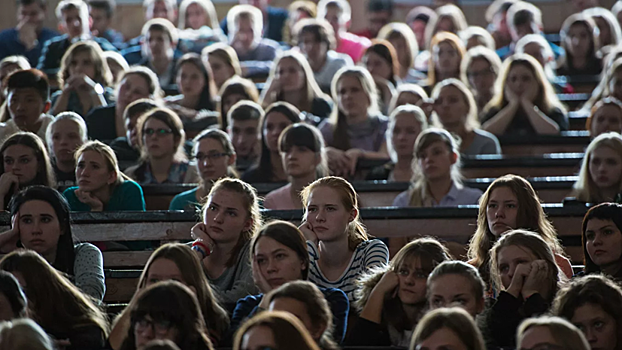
101, 12
63, 311
25, 162
127, 148
255, 53
580, 39
339, 247
496, 16
160, 40
64, 136
8, 66
411, 94
269, 166
230, 218
379, 13
12, 298
85, 80
233, 91
101, 185
447, 328
475, 36
291, 80
117, 64
338, 14
417, 19
605, 116
392, 298
275, 330
29, 35
355, 128
198, 26
316, 40
479, 70
608, 27
446, 53
297, 11
536, 46
601, 233
380, 60
223, 61
161, 139
243, 130
405, 44
552, 332
525, 104
594, 305
274, 19
449, 18
456, 283
215, 159
24, 334
302, 152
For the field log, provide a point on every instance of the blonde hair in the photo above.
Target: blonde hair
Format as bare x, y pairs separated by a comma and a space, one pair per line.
70, 116
439, 38
109, 156
356, 231
24, 334
407, 89
585, 188
565, 333
401, 30
415, 112
207, 6
102, 76
471, 120
455, 15
418, 192
476, 31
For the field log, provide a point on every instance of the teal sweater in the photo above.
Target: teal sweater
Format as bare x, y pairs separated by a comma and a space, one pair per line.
128, 196
186, 201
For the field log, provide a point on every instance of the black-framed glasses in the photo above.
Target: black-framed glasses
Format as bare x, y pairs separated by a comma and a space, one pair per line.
159, 132
159, 327
201, 157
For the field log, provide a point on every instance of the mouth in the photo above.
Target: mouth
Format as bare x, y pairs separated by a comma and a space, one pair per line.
83, 182
600, 252
320, 228
276, 281
216, 229
37, 242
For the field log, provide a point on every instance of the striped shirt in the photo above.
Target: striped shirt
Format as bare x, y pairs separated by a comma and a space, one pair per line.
367, 254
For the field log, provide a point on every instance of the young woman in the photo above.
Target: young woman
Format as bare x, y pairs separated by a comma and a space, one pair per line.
24, 334
233, 91
436, 174
339, 248
447, 50
455, 110
475, 36
593, 304
274, 330
215, 159
579, 37
56, 305
456, 283
608, 27
269, 167
605, 116
167, 310
198, 25
404, 42
523, 269
107, 123
381, 61
196, 88
223, 61
447, 328
602, 240
449, 18
526, 103
291, 80
85, 80
161, 137
41, 222
13, 302
25, 162
355, 128
536, 46
600, 177
176, 262
411, 94
222, 240
64, 136
550, 332
479, 70
279, 256
101, 185
9, 65
405, 124
393, 298
304, 159
305, 300
510, 203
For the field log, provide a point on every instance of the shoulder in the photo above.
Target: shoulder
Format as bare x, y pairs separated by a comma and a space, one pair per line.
372, 245
277, 12
7, 34
402, 199
70, 192
129, 185
88, 252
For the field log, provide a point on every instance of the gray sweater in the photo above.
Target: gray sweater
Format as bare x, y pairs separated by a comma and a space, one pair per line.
237, 281
88, 270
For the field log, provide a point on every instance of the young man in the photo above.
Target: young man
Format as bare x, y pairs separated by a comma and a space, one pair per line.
74, 19
256, 54
159, 50
524, 18
28, 37
243, 129
101, 13
274, 19
316, 41
379, 13
337, 13
28, 96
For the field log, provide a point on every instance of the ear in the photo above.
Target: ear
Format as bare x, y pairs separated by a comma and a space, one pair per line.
480, 305
47, 106
353, 213
454, 158
112, 178
232, 159
248, 224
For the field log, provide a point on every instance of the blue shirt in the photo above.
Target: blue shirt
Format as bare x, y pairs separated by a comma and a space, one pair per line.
10, 45
128, 196
186, 201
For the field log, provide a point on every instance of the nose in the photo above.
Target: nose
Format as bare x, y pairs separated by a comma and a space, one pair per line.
36, 228
219, 217
410, 280
271, 266
590, 335
319, 216
500, 213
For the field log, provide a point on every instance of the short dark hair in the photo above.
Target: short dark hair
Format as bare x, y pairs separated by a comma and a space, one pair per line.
106, 5
603, 211
245, 110
29, 78
380, 5
321, 31
42, 3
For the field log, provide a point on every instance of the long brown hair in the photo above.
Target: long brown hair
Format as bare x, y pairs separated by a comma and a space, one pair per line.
56, 304
102, 76
45, 173
288, 332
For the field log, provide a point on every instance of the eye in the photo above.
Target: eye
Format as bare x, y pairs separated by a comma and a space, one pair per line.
232, 213
460, 301
24, 160
608, 232
589, 236
599, 324
212, 208
281, 256
260, 261
437, 302
46, 220
403, 272
511, 205
27, 220
492, 205
504, 268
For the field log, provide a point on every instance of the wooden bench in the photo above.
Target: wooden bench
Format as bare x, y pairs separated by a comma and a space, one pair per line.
573, 141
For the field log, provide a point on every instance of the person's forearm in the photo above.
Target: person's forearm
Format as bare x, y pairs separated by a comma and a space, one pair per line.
500, 122
373, 308
541, 122
61, 103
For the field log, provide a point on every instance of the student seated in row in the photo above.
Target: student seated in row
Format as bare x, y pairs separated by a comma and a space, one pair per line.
161, 138
159, 48
450, 328
101, 185
243, 130
127, 147
223, 61
64, 136
601, 232
233, 91
28, 95
479, 70
552, 331
304, 160
276, 330
215, 158
9, 65
605, 116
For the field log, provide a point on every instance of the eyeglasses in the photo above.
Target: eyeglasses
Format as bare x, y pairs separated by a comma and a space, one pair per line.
159, 132
210, 156
159, 327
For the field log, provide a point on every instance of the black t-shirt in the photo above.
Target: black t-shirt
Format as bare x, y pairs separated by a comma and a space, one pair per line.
64, 179
520, 124
101, 124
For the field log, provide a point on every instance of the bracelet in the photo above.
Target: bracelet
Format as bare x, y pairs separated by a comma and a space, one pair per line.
202, 245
